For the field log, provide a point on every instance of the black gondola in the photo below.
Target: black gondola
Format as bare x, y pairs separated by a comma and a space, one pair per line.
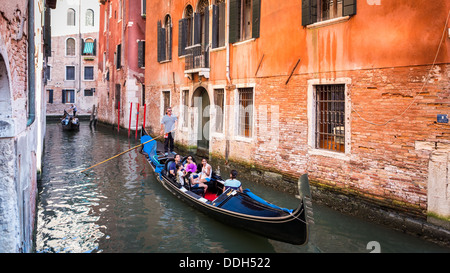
69, 122
242, 210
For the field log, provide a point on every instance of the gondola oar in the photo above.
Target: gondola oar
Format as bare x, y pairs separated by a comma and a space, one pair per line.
137, 146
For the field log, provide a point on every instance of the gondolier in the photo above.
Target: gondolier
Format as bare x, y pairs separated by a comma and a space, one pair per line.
168, 124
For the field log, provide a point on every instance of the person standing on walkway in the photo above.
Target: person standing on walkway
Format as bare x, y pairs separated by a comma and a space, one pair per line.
168, 124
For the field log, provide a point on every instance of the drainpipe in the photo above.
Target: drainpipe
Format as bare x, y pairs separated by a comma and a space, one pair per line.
31, 69
228, 43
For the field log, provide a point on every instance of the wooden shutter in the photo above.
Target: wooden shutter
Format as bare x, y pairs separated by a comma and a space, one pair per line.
50, 96
64, 96
82, 47
235, 21
169, 53
160, 42
256, 18
197, 28
206, 41
349, 7
215, 27
141, 53
309, 12
182, 41
119, 56
94, 49
72, 96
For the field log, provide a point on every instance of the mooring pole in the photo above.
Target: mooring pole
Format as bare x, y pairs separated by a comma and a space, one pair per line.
129, 123
137, 121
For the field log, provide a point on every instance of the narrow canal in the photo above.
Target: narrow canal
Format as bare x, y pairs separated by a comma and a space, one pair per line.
120, 207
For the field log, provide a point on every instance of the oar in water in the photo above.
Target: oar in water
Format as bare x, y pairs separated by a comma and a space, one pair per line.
137, 146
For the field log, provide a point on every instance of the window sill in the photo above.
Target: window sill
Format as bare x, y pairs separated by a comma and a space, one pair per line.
328, 22
217, 49
327, 153
243, 139
244, 42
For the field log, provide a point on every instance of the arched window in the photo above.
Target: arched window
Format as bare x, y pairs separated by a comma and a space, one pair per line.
70, 47
189, 17
168, 27
70, 17
89, 17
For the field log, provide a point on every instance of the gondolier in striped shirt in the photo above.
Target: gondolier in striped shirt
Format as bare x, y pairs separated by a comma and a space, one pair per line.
168, 124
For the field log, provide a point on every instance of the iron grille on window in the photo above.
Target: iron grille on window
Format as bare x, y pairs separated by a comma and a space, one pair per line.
245, 112
330, 117
219, 103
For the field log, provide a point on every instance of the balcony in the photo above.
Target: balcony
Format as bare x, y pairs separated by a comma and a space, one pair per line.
197, 61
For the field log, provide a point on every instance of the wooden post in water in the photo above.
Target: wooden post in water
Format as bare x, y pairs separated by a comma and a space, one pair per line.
118, 116
129, 122
143, 125
137, 121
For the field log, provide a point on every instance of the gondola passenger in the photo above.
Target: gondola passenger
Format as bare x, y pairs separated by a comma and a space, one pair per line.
180, 174
233, 183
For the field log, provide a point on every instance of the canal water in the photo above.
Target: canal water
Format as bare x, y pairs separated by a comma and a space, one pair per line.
119, 207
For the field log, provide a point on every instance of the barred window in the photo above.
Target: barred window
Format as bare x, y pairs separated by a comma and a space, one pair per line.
245, 112
330, 117
219, 99
185, 107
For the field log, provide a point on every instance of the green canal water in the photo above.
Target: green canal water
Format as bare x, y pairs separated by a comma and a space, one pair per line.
119, 207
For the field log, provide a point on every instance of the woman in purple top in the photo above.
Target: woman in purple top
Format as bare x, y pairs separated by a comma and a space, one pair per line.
190, 165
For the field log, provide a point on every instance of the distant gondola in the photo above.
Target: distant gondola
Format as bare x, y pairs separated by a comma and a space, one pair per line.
69, 122
242, 210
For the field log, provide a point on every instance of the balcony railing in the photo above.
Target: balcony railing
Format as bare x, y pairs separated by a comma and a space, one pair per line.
196, 58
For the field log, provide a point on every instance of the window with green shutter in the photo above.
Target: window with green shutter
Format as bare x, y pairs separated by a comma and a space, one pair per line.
245, 20
314, 11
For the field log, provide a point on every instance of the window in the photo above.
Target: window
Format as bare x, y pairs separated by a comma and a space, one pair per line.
143, 8
165, 39
89, 17
244, 19
70, 17
143, 94
89, 46
120, 10
118, 56
70, 47
89, 92
88, 73
330, 117
245, 115
219, 100
185, 108
70, 73
49, 95
321, 10
117, 98
218, 24
166, 100
141, 54
68, 96
48, 73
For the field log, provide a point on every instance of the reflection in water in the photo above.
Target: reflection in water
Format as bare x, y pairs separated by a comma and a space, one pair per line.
120, 207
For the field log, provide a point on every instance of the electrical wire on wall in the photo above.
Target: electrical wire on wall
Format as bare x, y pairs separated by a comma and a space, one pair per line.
423, 86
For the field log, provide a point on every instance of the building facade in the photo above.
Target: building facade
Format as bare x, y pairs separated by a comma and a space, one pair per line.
121, 62
355, 92
71, 76
24, 44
